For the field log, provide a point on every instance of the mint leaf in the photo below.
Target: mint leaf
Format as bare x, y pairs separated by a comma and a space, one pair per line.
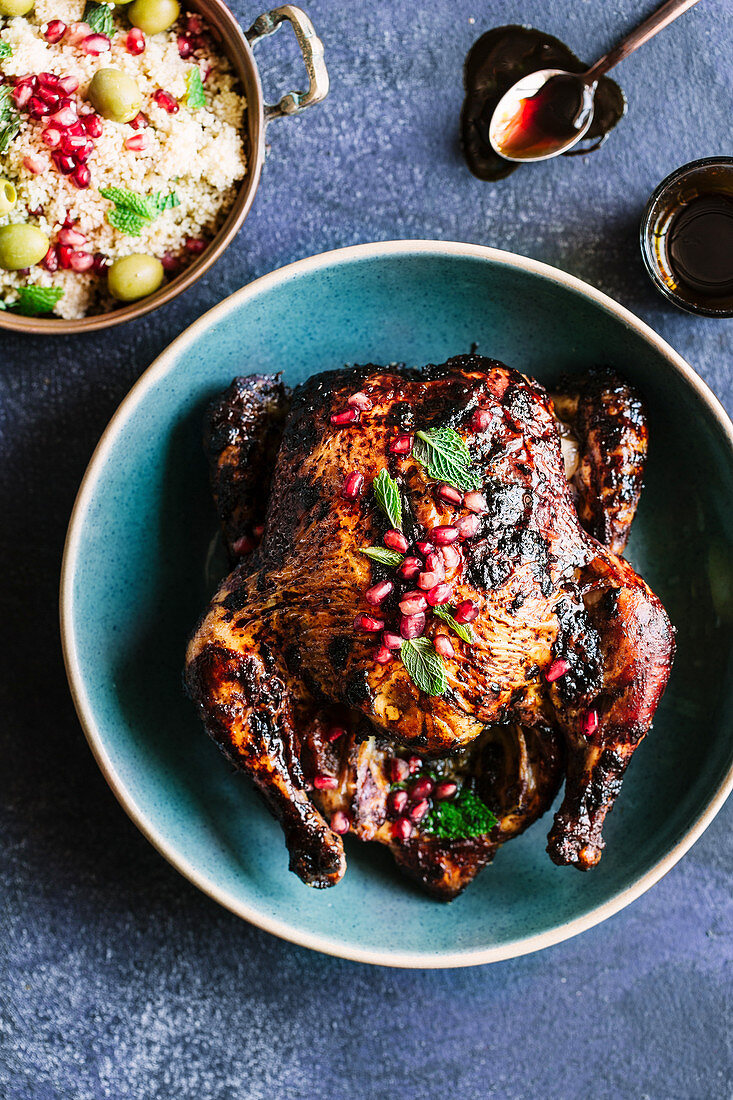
6, 50
9, 118
33, 300
445, 456
195, 96
99, 18
424, 666
134, 212
383, 555
463, 630
388, 498
127, 221
460, 817
165, 202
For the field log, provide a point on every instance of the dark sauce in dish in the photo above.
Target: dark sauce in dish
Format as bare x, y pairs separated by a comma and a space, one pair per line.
498, 60
550, 117
699, 244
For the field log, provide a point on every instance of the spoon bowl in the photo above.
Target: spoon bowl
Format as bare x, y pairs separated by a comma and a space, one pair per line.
541, 116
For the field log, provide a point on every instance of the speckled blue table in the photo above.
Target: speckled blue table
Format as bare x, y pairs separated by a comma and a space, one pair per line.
117, 978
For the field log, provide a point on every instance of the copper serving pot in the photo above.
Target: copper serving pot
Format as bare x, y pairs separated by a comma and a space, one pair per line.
238, 47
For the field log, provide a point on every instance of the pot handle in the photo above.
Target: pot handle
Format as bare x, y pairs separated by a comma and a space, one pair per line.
312, 49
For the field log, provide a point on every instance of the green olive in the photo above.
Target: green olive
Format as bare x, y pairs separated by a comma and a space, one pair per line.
15, 7
8, 196
22, 246
152, 16
114, 94
134, 277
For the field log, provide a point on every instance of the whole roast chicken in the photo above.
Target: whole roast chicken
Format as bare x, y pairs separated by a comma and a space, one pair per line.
428, 625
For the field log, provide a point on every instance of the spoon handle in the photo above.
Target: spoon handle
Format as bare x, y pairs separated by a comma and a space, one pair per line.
656, 22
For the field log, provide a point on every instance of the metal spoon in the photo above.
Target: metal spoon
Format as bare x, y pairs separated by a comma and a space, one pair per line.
507, 121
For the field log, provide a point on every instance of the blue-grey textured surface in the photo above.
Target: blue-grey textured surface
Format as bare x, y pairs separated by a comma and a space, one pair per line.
117, 978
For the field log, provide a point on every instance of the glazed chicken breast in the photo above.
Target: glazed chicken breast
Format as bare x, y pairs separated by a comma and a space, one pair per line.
484, 645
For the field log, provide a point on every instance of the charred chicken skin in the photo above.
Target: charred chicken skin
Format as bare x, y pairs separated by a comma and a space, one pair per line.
569, 650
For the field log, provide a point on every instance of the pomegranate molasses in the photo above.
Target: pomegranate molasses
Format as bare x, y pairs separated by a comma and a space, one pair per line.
687, 237
498, 60
546, 120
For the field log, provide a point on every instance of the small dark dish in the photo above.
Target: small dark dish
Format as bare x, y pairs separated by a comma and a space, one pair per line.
706, 186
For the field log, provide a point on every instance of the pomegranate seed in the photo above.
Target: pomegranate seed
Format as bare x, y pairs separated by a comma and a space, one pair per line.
557, 669
444, 790
589, 724
426, 581
402, 829
93, 125
481, 420
51, 260
360, 401
395, 540
81, 261
451, 557
417, 812
76, 129
166, 101
47, 80
77, 32
325, 783
71, 236
392, 641
467, 526
425, 547
352, 485
82, 155
413, 603
55, 31
81, 177
466, 612
397, 800
169, 261
434, 563
136, 143
347, 416
48, 96
243, 545
443, 645
194, 23
51, 137
37, 108
334, 733
421, 788
35, 163
64, 118
439, 595
368, 624
414, 764
101, 263
184, 46
195, 245
444, 536
259, 530
453, 496
135, 42
475, 502
378, 592
412, 626
410, 568
401, 445
399, 770
140, 121
95, 44
64, 252
68, 84
73, 143
63, 162
21, 94
383, 656
340, 822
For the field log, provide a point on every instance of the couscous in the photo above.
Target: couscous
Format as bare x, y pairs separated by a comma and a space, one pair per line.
121, 146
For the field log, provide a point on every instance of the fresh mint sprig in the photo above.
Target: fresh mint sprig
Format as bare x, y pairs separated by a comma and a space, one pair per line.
445, 456
424, 666
35, 300
195, 96
99, 18
132, 212
388, 498
463, 630
6, 51
384, 556
9, 118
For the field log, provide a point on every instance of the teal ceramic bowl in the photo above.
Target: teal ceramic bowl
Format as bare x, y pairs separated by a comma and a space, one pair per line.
135, 580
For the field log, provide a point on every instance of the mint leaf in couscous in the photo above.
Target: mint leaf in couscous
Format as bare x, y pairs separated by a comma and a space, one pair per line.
92, 175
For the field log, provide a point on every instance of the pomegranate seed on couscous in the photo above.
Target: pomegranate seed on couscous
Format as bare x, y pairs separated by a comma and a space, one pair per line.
114, 143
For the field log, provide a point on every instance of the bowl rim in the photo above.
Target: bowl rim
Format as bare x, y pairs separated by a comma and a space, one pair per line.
282, 928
